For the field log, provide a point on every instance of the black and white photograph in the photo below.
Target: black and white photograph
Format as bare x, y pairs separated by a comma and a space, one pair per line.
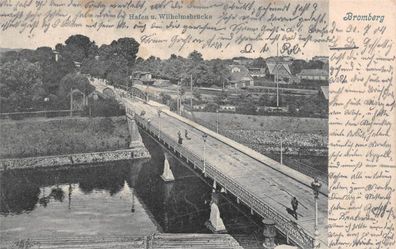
165, 124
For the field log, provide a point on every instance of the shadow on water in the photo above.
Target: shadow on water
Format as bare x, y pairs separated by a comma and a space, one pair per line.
182, 206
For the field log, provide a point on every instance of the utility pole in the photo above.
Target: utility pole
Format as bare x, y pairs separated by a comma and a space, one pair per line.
277, 77
179, 98
281, 147
191, 88
71, 102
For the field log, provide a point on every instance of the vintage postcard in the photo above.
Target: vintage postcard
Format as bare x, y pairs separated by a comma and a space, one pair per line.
197, 124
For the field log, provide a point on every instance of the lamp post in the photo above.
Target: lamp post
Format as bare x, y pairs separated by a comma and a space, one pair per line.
315, 187
217, 121
204, 137
159, 123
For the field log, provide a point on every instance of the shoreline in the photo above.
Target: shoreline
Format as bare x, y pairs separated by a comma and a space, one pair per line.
139, 152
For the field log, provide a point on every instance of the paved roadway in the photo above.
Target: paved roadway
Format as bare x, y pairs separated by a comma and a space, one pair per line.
266, 183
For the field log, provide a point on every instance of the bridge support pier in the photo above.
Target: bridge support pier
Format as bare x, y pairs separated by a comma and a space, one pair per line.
215, 223
167, 175
136, 139
269, 234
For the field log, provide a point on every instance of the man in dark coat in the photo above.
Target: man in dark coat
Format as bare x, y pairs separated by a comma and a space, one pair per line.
294, 204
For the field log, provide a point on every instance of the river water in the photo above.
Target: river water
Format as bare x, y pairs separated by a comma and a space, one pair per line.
116, 199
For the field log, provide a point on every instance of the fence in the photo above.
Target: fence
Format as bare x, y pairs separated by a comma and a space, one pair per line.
41, 114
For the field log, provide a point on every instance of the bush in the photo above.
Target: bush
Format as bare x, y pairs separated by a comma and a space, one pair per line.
106, 108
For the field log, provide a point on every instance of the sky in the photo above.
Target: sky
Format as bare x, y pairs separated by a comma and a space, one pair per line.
12, 38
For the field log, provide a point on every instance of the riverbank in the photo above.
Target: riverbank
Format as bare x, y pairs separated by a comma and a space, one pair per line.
57, 142
73, 159
61, 136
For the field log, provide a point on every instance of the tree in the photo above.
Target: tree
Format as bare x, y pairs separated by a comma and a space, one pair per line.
21, 85
221, 98
297, 66
74, 81
165, 98
127, 48
195, 56
77, 48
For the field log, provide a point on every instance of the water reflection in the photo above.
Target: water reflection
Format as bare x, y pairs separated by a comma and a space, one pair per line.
22, 190
182, 206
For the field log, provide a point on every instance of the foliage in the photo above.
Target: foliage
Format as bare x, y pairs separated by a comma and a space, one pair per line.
165, 98
204, 73
21, 85
106, 108
75, 81
211, 107
246, 108
197, 95
77, 48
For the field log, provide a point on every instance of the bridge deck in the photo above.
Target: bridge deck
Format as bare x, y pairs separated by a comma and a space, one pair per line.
264, 182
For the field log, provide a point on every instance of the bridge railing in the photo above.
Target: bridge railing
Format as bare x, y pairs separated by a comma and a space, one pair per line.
285, 225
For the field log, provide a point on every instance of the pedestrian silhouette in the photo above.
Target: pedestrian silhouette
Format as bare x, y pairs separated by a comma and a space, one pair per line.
180, 139
186, 134
294, 203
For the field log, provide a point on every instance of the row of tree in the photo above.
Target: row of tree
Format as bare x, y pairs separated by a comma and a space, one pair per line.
35, 80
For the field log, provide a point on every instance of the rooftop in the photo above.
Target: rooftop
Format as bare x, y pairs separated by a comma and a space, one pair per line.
314, 72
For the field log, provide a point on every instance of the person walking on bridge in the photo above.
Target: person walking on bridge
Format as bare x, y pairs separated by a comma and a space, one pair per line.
294, 203
180, 139
186, 134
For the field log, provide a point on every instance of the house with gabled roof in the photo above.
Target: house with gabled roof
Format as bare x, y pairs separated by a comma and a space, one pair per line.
281, 69
240, 77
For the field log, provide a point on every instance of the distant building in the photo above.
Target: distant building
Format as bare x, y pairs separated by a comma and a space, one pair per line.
257, 72
281, 69
324, 59
144, 77
240, 77
199, 107
227, 108
245, 62
279, 59
313, 75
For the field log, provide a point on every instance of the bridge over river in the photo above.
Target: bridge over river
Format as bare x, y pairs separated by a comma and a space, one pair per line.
260, 183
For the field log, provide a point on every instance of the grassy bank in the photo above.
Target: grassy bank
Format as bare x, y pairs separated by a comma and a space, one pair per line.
44, 137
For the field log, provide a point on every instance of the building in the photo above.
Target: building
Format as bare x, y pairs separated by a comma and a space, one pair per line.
313, 75
227, 108
257, 72
324, 59
241, 61
145, 77
279, 59
281, 69
240, 77
199, 107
